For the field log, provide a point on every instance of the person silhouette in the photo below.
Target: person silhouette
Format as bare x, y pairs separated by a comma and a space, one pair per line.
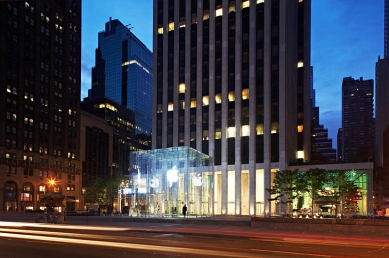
184, 209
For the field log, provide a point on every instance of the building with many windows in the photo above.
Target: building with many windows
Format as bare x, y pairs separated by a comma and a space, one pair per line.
123, 73
232, 80
40, 64
357, 120
125, 138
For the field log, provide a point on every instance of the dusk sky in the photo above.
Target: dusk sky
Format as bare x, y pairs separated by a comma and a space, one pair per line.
347, 38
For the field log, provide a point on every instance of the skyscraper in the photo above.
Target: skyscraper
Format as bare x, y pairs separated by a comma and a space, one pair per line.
321, 150
232, 79
121, 91
357, 120
40, 65
123, 72
381, 106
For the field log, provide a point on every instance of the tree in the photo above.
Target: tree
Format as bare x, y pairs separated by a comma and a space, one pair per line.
104, 190
95, 192
287, 186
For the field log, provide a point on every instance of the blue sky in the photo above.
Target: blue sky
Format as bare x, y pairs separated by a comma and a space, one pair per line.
346, 40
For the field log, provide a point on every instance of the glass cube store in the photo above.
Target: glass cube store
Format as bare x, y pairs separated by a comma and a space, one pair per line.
162, 181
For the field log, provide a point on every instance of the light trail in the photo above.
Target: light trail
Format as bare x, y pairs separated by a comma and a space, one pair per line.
62, 226
154, 248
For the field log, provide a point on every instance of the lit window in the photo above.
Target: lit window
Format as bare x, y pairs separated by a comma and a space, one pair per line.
218, 134
245, 4
300, 64
300, 128
182, 104
300, 1
259, 129
205, 135
260, 1
181, 88
231, 8
182, 22
160, 30
171, 26
205, 100
206, 15
245, 130
245, 93
218, 98
300, 154
193, 103
219, 12
274, 127
170, 106
159, 108
231, 96
231, 132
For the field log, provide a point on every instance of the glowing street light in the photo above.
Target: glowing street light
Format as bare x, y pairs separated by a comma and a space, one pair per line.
51, 182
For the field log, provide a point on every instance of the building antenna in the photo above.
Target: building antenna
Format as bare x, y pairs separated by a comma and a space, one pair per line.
128, 26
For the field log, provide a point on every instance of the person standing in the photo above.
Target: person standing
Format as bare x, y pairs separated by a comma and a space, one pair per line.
184, 209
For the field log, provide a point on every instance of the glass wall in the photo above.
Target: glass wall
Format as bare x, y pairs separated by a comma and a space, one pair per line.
162, 181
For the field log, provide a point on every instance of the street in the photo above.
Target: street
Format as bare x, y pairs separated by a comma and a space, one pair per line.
137, 240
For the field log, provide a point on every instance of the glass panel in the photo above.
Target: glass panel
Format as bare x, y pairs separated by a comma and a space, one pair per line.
162, 181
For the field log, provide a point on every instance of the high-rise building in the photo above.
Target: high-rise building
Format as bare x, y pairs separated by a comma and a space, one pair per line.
321, 145
124, 73
381, 106
357, 120
121, 91
233, 81
40, 74
321, 150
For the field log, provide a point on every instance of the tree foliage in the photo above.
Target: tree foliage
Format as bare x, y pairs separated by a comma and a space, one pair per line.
316, 183
105, 190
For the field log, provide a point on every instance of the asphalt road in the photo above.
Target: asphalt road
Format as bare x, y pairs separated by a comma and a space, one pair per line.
19, 239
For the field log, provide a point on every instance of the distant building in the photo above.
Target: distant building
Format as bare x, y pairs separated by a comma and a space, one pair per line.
357, 120
321, 145
339, 137
96, 150
381, 106
121, 91
124, 73
125, 139
321, 150
40, 75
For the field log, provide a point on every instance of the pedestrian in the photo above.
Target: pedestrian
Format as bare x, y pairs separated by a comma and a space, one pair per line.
184, 209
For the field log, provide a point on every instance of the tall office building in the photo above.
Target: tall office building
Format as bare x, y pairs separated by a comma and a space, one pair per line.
381, 161
123, 73
121, 91
382, 93
233, 81
357, 120
381, 106
40, 65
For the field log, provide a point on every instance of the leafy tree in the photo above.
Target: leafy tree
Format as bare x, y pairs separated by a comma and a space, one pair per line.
95, 192
339, 187
112, 185
287, 186
104, 191
316, 180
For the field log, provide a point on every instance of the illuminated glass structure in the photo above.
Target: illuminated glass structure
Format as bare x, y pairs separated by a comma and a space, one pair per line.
163, 180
